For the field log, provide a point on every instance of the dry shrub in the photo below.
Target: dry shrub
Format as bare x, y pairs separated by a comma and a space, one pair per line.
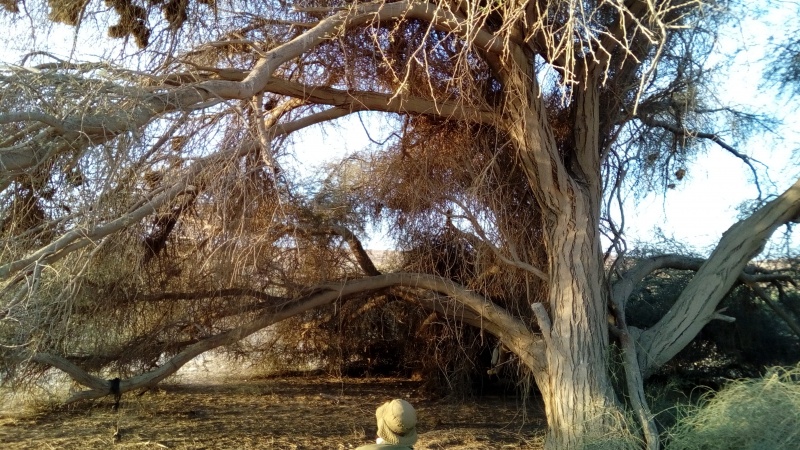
753, 414
619, 439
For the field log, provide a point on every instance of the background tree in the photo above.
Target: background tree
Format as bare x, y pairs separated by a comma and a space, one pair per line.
148, 216
784, 64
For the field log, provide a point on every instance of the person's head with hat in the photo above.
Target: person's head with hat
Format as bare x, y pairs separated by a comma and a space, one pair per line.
397, 425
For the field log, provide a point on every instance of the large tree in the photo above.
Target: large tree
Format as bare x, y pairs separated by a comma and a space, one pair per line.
146, 211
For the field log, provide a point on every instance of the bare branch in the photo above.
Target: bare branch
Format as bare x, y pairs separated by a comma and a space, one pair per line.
719, 316
77, 374
624, 286
358, 250
46, 119
514, 261
697, 303
356, 101
512, 331
687, 133
217, 293
785, 316
362, 258
148, 105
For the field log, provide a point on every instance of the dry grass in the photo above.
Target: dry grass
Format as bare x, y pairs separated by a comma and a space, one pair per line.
271, 413
759, 413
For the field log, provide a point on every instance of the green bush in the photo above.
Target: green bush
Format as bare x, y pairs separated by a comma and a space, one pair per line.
750, 414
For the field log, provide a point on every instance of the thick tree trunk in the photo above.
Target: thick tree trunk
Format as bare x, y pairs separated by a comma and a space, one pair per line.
578, 396
577, 393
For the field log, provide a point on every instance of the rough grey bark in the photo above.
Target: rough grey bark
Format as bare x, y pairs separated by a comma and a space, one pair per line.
576, 390
697, 304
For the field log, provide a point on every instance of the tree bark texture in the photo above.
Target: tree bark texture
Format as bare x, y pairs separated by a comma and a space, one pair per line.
577, 393
697, 304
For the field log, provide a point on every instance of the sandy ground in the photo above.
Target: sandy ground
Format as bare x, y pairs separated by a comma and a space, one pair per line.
272, 413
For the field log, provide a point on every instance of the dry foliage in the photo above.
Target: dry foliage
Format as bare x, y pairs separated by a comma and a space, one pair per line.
147, 210
745, 414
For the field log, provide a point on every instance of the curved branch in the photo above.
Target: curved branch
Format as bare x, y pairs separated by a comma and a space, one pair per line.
355, 101
259, 79
696, 305
83, 236
441, 305
510, 330
46, 119
623, 288
155, 102
75, 372
713, 137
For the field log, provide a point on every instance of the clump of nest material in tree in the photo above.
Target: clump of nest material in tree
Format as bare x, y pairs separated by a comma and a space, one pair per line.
10, 5
67, 11
132, 22
133, 18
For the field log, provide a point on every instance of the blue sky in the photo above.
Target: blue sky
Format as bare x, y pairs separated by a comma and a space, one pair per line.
704, 204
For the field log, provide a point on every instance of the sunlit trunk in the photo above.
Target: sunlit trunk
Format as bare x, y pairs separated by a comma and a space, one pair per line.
579, 396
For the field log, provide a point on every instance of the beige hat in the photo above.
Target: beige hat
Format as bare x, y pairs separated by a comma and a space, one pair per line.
397, 422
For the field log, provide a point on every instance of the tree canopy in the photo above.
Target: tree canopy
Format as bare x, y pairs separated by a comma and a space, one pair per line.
149, 215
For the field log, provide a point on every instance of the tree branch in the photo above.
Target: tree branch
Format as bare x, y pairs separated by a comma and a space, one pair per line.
355, 101
362, 258
259, 79
624, 286
512, 331
77, 374
687, 133
217, 293
633, 374
83, 236
135, 113
697, 303
482, 238
46, 119
787, 319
